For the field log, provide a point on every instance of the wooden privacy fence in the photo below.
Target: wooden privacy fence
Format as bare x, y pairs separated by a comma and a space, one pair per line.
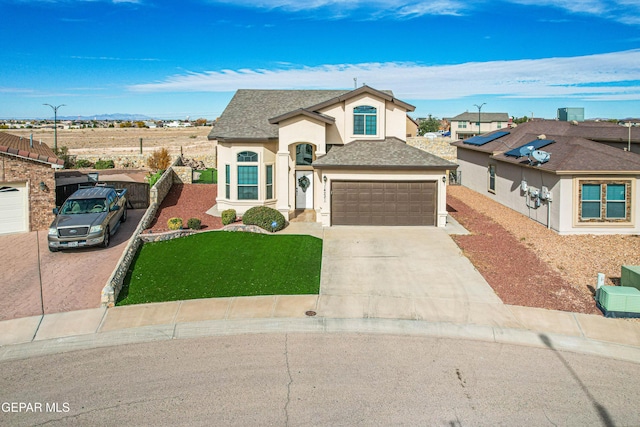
138, 192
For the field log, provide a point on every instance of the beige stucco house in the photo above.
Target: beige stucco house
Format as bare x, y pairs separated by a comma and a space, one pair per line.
339, 153
586, 185
468, 124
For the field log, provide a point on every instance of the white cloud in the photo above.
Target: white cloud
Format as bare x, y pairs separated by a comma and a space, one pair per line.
342, 8
623, 11
604, 76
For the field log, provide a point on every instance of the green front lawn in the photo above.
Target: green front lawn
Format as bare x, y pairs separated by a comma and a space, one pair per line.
223, 264
207, 176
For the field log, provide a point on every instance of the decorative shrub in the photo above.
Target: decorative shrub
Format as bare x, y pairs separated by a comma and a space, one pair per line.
194, 224
83, 163
159, 160
228, 216
104, 164
174, 223
264, 217
152, 178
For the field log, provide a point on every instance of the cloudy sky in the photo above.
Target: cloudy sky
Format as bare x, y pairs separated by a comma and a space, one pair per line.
170, 59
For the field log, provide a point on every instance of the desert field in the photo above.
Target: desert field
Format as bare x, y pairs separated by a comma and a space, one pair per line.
193, 140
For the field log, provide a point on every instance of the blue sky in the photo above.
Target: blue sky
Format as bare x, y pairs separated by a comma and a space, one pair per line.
170, 59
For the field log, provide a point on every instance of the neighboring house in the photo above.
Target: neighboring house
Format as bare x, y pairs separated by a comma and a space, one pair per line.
341, 153
412, 127
466, 125
27, 184
584, 187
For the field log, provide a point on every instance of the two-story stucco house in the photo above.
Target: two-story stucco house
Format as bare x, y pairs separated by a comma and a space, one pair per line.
340, 153
468, 124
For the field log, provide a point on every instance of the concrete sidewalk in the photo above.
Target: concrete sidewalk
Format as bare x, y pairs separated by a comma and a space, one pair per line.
391, 293
100, 327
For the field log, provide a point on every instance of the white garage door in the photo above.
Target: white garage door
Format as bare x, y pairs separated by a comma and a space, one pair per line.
13, 208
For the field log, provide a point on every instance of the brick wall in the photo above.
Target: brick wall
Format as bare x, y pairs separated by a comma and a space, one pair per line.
41, 203
440, 147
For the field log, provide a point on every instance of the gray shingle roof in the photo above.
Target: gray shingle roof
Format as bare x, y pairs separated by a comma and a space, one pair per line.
248, 113
390, 153
247, 117
484, 117
574, 148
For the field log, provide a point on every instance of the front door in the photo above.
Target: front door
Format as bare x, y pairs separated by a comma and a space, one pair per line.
304, 189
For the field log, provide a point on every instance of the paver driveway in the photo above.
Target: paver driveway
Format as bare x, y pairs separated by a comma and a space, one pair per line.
71, 280
402, 272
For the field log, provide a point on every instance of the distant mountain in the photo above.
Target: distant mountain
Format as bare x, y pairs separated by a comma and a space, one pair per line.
116, 116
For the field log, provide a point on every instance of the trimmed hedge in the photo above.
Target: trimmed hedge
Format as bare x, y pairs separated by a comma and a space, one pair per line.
264, 217
228, 216
194, 224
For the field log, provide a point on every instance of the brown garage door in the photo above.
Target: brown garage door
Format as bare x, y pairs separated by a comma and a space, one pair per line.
383, 203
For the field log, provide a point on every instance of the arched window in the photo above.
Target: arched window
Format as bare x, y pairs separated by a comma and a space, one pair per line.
247, 156
304, 154
365, 120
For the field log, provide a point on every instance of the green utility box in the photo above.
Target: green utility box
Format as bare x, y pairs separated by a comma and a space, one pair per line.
619, 301
630, 276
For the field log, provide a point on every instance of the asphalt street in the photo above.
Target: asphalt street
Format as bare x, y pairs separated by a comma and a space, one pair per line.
322, 379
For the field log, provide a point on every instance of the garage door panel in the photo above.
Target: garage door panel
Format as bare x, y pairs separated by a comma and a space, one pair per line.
13, 208
383, 203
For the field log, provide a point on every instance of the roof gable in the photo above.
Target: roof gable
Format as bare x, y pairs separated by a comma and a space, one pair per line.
254, 114
247, 114
18, 146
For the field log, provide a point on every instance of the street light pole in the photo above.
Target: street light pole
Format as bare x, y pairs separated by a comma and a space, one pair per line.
479, 107
55, 126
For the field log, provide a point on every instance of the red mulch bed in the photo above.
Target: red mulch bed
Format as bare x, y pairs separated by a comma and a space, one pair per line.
513, 270
188, 201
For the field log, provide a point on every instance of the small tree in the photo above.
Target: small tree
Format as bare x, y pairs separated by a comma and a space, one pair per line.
430, 124
159, 160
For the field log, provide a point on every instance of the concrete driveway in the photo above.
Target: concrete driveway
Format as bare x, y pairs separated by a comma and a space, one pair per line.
399, 272
71, 280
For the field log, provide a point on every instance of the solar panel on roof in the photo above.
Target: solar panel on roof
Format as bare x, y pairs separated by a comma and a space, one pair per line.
483, 139
536, 144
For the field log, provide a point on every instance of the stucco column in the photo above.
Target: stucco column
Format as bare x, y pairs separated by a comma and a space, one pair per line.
442, 203
282, 183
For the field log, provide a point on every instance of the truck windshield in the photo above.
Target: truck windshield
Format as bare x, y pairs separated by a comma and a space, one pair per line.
83, 206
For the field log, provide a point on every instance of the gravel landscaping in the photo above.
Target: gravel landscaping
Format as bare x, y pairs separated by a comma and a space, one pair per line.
529, 265
188, 201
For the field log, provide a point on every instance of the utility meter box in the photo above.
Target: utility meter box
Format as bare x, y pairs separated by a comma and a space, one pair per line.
630, 276
619, 301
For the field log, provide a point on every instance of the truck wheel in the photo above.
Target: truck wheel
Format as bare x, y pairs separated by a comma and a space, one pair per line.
107, 238
123, 218
52, 249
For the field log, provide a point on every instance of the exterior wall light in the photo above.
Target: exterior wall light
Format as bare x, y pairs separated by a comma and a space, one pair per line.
43, 186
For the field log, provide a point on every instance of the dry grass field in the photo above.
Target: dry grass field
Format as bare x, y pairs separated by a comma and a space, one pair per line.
192, 140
